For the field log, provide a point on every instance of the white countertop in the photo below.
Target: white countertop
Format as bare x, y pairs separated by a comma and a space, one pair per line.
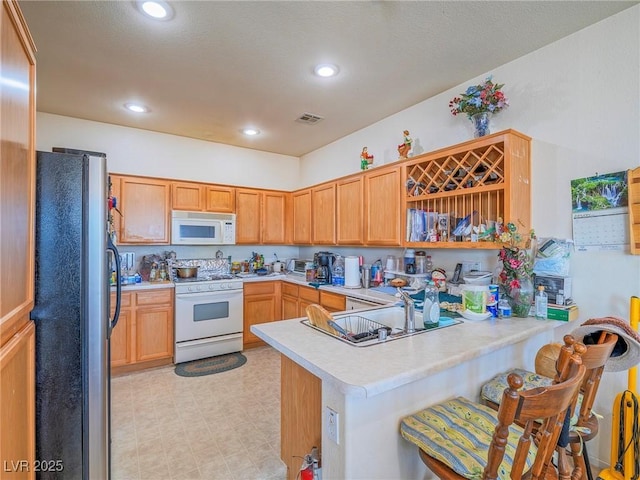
361, 293
368, 371
144, 286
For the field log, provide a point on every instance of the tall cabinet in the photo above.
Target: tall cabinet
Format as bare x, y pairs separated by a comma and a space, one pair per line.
17, 183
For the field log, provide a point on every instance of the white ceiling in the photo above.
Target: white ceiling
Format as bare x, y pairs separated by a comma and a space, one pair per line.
219, 66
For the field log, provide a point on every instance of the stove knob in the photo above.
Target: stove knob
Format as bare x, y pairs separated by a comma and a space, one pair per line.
189, 289
211, 287
198, 288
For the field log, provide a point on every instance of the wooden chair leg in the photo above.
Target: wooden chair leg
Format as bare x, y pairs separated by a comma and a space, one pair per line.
564, 469
580, 471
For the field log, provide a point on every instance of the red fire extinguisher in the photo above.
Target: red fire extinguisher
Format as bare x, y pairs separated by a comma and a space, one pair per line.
309, 466
306, 470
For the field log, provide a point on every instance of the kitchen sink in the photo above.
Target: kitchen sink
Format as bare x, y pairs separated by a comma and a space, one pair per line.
363, 326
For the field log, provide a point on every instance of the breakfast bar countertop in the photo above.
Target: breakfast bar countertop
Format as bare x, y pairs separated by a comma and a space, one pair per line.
369, 371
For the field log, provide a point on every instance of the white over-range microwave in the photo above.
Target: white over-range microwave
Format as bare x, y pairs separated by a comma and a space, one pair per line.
202, 228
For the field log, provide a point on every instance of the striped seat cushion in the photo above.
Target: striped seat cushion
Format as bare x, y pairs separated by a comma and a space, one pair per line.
458, 432
493, 389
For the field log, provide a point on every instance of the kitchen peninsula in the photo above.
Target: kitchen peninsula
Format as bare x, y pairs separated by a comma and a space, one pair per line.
372, 388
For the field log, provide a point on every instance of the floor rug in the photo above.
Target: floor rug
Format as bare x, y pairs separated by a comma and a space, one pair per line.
208, 366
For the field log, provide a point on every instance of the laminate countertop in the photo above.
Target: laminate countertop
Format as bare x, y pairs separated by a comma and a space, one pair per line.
369, 371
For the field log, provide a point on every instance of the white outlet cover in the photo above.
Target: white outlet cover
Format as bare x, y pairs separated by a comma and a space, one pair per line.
333, 425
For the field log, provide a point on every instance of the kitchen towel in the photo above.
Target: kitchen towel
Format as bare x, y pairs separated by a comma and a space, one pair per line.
351, 272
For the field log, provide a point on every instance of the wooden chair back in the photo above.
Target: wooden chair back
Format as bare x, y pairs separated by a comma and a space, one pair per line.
546, 404
528, 408
594, 360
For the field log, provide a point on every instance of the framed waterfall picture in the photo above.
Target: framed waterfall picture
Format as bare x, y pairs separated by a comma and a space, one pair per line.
599, 211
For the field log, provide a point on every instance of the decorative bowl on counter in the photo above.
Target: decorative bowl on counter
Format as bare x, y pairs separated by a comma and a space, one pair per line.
474, 317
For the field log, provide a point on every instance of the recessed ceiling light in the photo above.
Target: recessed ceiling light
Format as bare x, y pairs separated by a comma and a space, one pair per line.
156, 9
326, 70
136, 107
251, 131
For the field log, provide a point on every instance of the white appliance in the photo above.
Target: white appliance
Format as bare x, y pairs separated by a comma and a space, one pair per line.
208, 317
352, 272
202, 228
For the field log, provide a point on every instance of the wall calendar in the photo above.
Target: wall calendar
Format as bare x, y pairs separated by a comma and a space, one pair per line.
600, 212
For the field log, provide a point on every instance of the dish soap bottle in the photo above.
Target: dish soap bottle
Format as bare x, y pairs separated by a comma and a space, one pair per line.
541, 303
431, 306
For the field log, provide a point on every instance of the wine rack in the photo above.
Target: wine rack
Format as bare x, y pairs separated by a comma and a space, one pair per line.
470, 186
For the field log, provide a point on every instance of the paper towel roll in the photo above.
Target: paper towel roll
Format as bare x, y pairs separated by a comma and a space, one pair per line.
351, 272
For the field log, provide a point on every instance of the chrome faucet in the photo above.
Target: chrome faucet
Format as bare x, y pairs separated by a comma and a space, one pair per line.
409, 312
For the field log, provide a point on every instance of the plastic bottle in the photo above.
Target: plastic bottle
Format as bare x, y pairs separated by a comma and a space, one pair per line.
428, 267
504, 308
337, 274
541, 302
431, 306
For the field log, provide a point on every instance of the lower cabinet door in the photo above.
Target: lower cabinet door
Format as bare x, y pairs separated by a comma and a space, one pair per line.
121, 340
154, 339
17, 403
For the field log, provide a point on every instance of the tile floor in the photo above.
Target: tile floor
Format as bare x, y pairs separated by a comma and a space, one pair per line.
222, 426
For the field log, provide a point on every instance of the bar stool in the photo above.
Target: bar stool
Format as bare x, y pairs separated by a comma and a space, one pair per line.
460, 439
583, 423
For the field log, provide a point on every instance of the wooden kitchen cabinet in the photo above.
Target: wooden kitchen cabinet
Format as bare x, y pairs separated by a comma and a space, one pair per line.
200, 197
349, 211
17, 394
306, 297
146, 210
301, 414
261, 216
290, 307
382, 206
633, 182
17, 188
323, 214
490, 175
296, 299
143, 337
333, 302
121, 334
301, 217
261, 304
274, 217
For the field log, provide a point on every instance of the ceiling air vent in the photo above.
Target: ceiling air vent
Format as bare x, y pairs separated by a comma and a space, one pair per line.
309, 118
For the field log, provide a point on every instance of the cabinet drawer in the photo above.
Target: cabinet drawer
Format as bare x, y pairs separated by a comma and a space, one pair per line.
125, 300
260, 288
289, 289
154, 297
333, 302
309, 294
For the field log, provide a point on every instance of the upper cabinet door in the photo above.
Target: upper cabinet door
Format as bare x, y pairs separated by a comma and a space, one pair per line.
248, 221
187, 196
323, 204
349, 211
145, 207
382, 207
301, 212
274, 217
17, 174
203, 197
219, 199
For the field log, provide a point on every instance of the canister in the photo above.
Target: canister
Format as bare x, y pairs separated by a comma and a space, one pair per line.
474, 298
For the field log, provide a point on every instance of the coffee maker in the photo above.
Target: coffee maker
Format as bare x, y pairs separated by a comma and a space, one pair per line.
324, 265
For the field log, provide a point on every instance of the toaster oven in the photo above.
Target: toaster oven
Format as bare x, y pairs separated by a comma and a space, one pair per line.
299, 267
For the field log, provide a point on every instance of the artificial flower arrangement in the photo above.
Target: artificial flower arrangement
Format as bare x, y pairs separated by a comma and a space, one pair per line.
487, 97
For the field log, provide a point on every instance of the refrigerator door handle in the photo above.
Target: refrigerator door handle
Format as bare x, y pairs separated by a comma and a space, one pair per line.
116, 314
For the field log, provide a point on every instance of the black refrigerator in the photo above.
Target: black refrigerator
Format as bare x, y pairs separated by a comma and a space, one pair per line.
71, 314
